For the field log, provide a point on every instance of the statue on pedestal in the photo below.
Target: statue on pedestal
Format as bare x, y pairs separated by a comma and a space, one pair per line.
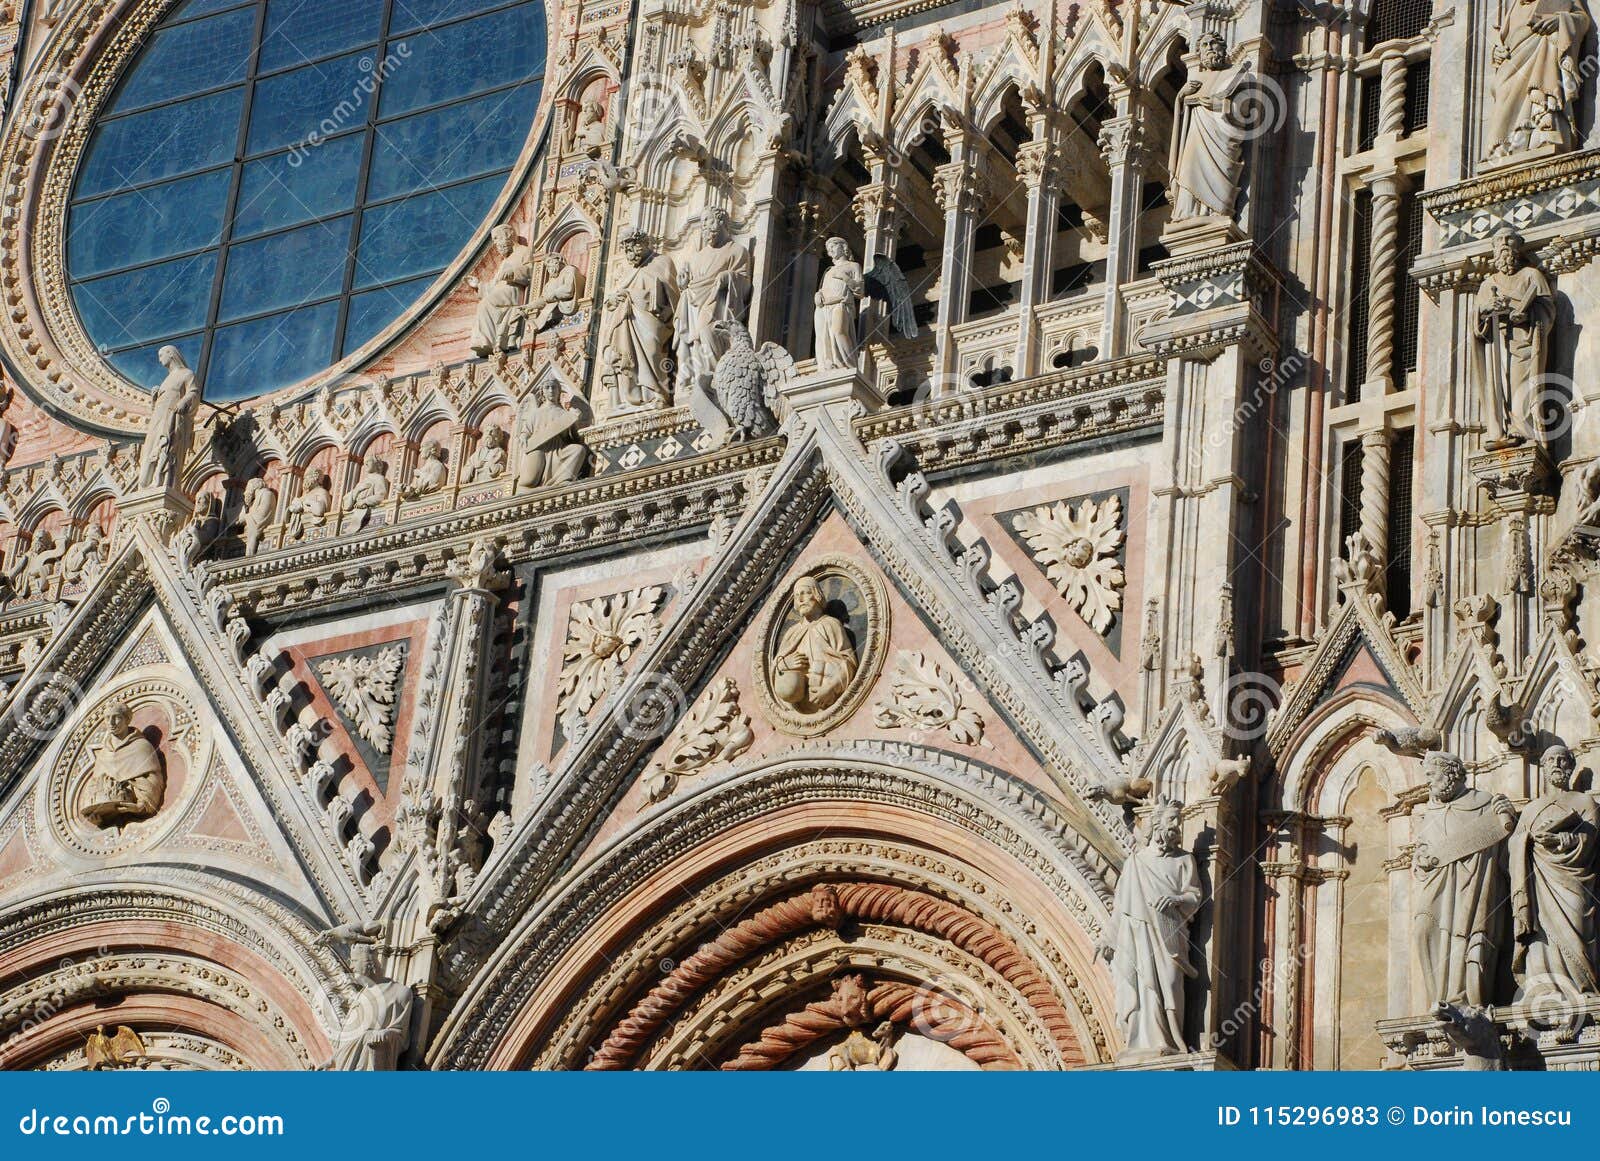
1458, 899
171, 430
1553, 879
1515, 312
377, 1026
128, 781
498, 325
311, 507
547, 436
1208, 140
838, 302
1157, 896
635, 365
366, 495
488, 463
1536, 76
260, 506
716, 281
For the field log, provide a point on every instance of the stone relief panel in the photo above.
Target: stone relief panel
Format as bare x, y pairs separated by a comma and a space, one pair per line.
1079, 546
821, 645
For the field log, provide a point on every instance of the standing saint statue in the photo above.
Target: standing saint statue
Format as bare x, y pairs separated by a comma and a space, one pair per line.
638, 328
166, 442
1458, 899
128, 780
1208, 141
547, 435
815, 661
1553, 879
838, 302
498, 325
1536, 76
377, 1027
715, 283
1515, 313
1157, 896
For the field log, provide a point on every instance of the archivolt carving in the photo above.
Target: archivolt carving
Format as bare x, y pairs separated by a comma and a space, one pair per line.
938, 1016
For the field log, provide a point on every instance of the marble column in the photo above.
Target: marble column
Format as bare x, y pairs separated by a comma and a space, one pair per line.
958, 188
1038, 166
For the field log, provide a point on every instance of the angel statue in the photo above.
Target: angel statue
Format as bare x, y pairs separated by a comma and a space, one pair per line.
839, 297
737, 404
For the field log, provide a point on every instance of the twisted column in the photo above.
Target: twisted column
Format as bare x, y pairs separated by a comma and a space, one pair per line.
1392, 96
1385, 261
1375, 493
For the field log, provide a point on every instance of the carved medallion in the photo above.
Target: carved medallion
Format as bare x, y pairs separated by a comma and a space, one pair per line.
821, 644
130, 762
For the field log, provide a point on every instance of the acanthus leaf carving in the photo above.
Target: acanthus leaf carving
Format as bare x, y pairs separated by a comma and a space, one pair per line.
925, 696
1077, 549
365, 688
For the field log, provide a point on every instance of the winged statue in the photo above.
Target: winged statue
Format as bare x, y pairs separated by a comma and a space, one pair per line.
887, 283
744, 385
838, 323
119, 1050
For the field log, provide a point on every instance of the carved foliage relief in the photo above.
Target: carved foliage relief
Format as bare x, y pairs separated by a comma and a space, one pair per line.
1079, 548
602, 634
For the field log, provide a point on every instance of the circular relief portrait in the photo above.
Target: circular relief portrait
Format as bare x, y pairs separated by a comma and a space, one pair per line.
127, 765
821, 646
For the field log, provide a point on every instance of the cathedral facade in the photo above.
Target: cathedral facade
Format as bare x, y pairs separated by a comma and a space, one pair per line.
762, 534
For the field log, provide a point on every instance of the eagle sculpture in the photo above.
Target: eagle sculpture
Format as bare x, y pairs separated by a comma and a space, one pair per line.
744, 385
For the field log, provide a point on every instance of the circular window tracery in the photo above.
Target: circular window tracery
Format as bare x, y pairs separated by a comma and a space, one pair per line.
275, 181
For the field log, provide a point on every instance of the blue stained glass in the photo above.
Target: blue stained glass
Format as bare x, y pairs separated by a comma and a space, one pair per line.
146, 224
223, 222
502, 46
272, 352
162, 142
319, 99
421, 233
199, 8
147, 303
373, 310
450, 143
289, 188
283, 270
302, 30
191, 58
410, 15
142, 365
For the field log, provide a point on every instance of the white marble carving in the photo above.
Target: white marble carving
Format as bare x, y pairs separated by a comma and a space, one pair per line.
365, 689
1078, 551
602, 634
926, 696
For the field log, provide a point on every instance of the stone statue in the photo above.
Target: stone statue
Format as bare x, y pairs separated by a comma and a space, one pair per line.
558, 298
377, 1027
38, 567
309, 509
1536, 76
431, 472
1157, 896
488, 463
498, 326
838, 302
547, 437
815, 660
634, 338
590, 134
166, 442
1459, 896
1553, 878
83, 558
368, 493
715, 281
1208, 141
260, 506
1515, 312
128, 780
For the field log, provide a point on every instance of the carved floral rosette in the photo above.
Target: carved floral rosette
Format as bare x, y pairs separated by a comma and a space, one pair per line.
155, 700
857, 596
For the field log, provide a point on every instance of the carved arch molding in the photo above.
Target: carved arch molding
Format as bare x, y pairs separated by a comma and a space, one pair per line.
801, 947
